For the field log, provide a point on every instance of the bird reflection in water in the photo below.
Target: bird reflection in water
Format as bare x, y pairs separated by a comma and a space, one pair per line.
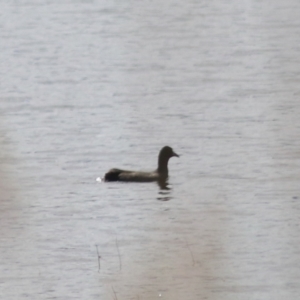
165, 190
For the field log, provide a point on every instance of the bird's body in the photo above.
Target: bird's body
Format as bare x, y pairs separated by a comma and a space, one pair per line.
160, 174
125, 175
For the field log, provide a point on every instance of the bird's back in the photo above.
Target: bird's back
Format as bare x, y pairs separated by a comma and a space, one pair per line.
126, 175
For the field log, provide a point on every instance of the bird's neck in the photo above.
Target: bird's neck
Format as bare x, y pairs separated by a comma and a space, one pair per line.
163, 165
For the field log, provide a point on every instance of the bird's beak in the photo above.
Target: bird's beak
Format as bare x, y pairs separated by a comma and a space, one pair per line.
175, 154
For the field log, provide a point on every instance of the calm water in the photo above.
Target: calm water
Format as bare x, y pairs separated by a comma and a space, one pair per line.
90, 85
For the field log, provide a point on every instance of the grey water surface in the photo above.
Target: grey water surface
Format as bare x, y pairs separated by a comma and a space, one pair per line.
91, 85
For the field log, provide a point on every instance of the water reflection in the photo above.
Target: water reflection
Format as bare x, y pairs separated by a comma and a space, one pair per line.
165, 190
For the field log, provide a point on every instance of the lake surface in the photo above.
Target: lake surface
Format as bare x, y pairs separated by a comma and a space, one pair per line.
91, 85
